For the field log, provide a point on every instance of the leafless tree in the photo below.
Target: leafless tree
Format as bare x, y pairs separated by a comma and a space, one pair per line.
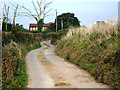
40, 8
15, 15
15, 7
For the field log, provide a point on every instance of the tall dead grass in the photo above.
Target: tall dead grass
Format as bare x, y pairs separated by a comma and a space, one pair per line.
102, 28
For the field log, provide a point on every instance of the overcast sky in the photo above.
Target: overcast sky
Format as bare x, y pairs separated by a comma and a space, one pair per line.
87, 11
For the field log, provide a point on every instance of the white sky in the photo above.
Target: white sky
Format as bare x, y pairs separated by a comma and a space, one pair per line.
87, 11
67, 0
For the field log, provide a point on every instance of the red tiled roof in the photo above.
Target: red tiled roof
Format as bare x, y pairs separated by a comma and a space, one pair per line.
35, 25
46, 25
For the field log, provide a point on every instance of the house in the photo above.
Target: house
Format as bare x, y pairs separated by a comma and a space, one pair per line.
33, 27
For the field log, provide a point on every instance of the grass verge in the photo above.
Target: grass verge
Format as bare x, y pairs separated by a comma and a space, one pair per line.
95, 49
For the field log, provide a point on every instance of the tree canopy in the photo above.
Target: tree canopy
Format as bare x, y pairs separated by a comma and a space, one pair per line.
67, 19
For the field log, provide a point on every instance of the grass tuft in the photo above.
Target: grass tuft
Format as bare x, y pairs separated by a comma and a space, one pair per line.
62, 84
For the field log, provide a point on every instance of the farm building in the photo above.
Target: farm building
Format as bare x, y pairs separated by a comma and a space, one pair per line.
33, 27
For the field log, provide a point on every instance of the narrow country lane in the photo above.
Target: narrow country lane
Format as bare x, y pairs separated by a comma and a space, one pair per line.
37, 75
47, 70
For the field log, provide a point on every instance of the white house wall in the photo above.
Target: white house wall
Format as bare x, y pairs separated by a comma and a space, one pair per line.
33, 28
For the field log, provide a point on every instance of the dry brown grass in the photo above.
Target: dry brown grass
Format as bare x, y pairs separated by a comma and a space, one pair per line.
105, 29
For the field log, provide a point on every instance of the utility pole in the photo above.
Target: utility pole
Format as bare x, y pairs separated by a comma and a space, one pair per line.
61, 23
56, 20
2, 15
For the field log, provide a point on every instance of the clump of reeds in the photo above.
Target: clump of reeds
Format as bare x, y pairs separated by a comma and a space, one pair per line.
102, 28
